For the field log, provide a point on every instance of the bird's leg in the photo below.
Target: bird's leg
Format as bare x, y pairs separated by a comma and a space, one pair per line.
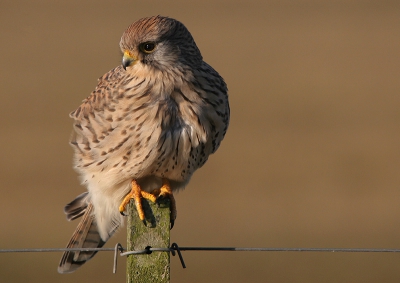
137, 194
166, 192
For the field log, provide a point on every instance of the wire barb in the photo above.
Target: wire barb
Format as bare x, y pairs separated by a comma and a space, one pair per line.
118, 247
148, 250
174, 247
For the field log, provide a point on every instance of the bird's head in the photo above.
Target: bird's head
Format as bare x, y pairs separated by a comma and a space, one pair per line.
158, 42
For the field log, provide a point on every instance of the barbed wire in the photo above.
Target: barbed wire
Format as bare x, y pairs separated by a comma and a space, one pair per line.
175, 248
237, 249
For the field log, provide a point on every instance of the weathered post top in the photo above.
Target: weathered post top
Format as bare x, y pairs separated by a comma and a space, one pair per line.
154, 267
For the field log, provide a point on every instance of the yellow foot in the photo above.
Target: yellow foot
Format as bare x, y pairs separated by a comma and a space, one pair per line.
166, 192
137, 194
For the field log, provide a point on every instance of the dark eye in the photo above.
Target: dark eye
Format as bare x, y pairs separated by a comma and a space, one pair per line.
147, 47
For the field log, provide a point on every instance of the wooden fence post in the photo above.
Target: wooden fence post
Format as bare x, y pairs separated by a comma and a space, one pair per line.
154, 267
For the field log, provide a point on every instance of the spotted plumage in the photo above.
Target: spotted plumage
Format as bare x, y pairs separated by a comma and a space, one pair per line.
157, 117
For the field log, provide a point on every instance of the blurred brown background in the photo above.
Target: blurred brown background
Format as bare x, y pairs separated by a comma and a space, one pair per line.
311, 158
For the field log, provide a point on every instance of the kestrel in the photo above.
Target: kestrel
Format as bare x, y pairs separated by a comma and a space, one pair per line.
144, 130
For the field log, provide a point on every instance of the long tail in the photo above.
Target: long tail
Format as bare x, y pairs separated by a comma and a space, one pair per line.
86, 234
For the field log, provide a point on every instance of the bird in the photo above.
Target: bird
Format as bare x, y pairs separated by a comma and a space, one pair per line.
149, 124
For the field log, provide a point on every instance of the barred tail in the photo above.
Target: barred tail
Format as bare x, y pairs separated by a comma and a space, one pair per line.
86, 235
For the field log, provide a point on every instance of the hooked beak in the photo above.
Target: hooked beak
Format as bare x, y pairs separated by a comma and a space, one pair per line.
128, 59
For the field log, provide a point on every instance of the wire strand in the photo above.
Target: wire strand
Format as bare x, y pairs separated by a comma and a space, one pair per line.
175, 248
57, 250
234, 249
